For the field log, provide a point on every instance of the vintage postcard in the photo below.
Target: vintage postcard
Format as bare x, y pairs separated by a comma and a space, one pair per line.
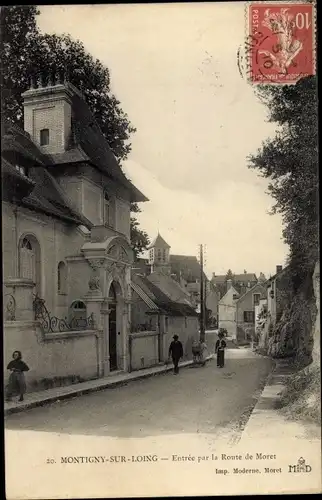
161, 275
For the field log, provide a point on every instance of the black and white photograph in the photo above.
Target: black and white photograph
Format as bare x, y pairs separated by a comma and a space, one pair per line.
160, 249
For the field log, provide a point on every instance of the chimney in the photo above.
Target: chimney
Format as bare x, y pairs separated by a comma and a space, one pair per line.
48, 112
229, 284
279, 269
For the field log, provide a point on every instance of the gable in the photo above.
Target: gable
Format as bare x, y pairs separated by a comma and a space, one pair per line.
228, 298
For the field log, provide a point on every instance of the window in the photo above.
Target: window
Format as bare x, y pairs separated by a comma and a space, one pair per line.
106, 208
235, 296
256, 297
164, 255
44, 137
159, 255
29, 260
61, 277
249, 317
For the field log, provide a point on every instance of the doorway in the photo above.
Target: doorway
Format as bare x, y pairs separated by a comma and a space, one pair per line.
112, 329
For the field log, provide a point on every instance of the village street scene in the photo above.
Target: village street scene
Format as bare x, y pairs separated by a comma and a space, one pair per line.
160, 239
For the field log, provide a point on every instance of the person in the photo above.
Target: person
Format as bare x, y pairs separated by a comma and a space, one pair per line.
220, 350
17, 383
196, 351
176, 352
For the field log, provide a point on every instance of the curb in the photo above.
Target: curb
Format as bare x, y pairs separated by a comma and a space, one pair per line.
82, 391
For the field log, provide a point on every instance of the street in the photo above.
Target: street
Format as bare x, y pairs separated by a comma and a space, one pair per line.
199, 400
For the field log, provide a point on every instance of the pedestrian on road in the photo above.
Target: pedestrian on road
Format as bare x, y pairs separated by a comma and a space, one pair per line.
17, 383
176, 352
220, 350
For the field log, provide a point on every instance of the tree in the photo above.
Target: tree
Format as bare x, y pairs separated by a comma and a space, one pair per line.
229, 275
139, 238
290, 161
25, 52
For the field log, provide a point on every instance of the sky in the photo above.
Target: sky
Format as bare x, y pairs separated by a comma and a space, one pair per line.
174, 69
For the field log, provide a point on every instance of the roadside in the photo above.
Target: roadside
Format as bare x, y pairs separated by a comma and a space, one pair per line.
40, 398
268, 420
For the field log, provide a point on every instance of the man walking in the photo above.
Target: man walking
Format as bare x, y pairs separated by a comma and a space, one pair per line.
220, 350
176, 352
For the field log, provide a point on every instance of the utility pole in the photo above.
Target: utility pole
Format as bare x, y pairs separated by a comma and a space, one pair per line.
202, 301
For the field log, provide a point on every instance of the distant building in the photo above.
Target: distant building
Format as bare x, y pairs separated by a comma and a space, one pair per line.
227, 310
245, 311
241, 282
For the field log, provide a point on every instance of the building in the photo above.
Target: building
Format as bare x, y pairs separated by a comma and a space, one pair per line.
186, 270
246, 312
227, 310
241, 282
156, 317
66, 240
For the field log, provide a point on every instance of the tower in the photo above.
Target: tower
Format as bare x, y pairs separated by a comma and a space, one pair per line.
48, 113
159, 255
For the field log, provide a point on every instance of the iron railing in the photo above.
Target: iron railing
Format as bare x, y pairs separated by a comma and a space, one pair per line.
53, 324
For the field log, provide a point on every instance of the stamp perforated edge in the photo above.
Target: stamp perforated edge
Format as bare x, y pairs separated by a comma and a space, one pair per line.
281, 2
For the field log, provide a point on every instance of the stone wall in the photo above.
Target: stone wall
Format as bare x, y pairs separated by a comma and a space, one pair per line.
54, 356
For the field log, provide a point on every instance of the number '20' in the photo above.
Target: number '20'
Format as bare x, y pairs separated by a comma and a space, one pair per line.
302, 20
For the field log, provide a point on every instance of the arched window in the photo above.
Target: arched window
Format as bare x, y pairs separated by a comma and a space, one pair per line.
29, 260
78, 314
112, 292
44, 137
106, 214
159, 255
62, 278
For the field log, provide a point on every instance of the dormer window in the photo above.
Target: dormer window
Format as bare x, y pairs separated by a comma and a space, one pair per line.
106, 208
44, 137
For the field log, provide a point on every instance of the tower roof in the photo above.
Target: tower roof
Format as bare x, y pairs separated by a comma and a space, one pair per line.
159, 242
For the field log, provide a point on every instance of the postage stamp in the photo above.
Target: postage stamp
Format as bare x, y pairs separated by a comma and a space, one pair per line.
280, 42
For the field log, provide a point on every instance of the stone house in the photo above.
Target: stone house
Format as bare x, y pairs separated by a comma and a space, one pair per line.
241, 282
227, 310
66, 240
246, 311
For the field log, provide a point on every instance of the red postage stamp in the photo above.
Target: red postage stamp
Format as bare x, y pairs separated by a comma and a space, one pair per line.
280, 42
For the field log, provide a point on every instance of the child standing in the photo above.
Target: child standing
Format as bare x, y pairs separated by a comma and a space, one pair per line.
17, 383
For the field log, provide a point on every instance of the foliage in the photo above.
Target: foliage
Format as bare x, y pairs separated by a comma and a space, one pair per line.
139, 238
25, 52
289, 161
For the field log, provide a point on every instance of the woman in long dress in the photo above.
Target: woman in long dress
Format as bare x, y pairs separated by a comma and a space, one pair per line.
17, 382
220, 350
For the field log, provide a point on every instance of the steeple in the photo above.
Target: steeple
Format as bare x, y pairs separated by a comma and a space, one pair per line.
159, 255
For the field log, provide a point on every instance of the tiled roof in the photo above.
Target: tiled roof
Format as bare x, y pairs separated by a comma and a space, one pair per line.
159, 242
46, 195
161, 300
171, 288
186, 265
244, 277
93, 143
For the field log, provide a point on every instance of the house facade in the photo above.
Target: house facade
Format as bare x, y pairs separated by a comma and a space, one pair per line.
227, 310
241, 282
246, 309
66, 240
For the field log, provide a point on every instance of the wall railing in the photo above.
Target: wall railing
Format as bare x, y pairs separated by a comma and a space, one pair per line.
53, 324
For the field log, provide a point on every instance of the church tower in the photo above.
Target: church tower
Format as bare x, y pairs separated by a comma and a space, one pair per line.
159, 255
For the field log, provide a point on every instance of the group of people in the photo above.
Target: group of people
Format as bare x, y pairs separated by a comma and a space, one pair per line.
17, 383
198, 352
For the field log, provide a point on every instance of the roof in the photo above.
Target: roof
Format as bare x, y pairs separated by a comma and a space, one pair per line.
159, 242
93, 143
244, 277
233, 290
153, 296
171, 288
46, 195
249, 290
186, 266
276, 275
